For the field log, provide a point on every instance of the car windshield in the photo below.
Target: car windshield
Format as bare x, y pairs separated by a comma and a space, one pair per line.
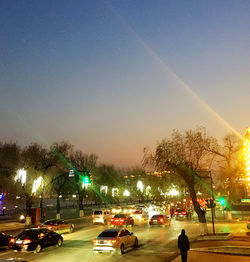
97, 212
109, 233
157, 216
31, 234
119, 216
51, 222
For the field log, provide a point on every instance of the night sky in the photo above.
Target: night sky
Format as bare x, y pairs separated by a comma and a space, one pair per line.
113, 77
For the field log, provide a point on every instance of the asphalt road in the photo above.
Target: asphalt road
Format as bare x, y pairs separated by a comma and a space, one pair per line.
155, 243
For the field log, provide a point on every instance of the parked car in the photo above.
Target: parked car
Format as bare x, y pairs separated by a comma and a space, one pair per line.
114, 240
35, 239
4, 239
160, 220
102, 216
58, 226
122, 220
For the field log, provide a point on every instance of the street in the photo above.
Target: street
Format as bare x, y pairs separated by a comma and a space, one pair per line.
155, 243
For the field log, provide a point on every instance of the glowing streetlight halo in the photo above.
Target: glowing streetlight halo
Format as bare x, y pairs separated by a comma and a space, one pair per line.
140, 186
126, 193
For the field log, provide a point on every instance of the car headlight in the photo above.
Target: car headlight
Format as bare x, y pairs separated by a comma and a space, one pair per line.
22, 217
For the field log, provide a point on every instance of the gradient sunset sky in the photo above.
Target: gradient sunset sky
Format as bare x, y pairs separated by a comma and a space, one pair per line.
113, 77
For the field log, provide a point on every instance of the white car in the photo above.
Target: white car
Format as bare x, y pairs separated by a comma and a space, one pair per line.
114, 240
101, 216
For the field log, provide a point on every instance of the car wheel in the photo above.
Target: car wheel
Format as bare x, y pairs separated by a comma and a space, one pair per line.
122, 249
71, 229
59, 242
38, 249
136, 243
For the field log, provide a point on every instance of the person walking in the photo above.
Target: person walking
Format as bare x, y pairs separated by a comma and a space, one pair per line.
183, 245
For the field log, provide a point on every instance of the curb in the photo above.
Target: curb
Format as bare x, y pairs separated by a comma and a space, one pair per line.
236, 253
214, 237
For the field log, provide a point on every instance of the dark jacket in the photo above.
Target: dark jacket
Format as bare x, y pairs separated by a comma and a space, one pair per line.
183, 242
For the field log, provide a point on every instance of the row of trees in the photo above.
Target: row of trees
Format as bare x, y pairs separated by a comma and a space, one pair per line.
191, 155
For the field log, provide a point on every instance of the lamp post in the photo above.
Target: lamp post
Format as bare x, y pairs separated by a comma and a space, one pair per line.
212, 200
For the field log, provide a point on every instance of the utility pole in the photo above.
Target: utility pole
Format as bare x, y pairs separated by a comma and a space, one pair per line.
212, 201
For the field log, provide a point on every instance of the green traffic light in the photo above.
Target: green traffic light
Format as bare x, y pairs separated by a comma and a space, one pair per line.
86, 180
222, 201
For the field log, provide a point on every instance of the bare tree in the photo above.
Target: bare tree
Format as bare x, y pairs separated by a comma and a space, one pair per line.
83, 165
185, 153
230, 160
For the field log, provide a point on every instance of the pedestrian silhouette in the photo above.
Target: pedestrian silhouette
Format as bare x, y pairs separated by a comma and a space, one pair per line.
183, 245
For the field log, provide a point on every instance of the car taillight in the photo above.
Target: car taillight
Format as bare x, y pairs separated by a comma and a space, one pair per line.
176, 212
112, 219
26, 241
122, 220
94, 241
113, 241
12, 240
161, 219
38, 226
50, 227
93, 216
184, 212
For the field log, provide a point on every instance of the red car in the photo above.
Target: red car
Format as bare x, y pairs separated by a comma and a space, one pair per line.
122, 220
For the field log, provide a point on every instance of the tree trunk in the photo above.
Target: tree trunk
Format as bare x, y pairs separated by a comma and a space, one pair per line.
81, 194
41, 206
58, 207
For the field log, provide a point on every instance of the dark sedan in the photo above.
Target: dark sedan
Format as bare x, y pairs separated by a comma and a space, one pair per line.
35, 239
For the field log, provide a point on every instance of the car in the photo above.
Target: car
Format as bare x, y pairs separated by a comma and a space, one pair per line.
160, 220
101, 216
4, 239
248, 224
122, 220
58, 226
114, 240
35, 239
139, 216
181, 213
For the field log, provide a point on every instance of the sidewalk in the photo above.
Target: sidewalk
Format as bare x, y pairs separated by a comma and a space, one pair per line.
194, 256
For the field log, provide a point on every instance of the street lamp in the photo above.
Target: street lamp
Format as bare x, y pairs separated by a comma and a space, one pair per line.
36, 184
115, 192
148, 188
104, 189
21, 176
126, 193
140, 186
173, 192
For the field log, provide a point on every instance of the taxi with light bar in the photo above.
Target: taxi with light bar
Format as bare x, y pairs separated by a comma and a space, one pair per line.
114, 240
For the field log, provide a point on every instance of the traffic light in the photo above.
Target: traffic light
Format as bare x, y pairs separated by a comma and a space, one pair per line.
222, 201
91, 177
86, 179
